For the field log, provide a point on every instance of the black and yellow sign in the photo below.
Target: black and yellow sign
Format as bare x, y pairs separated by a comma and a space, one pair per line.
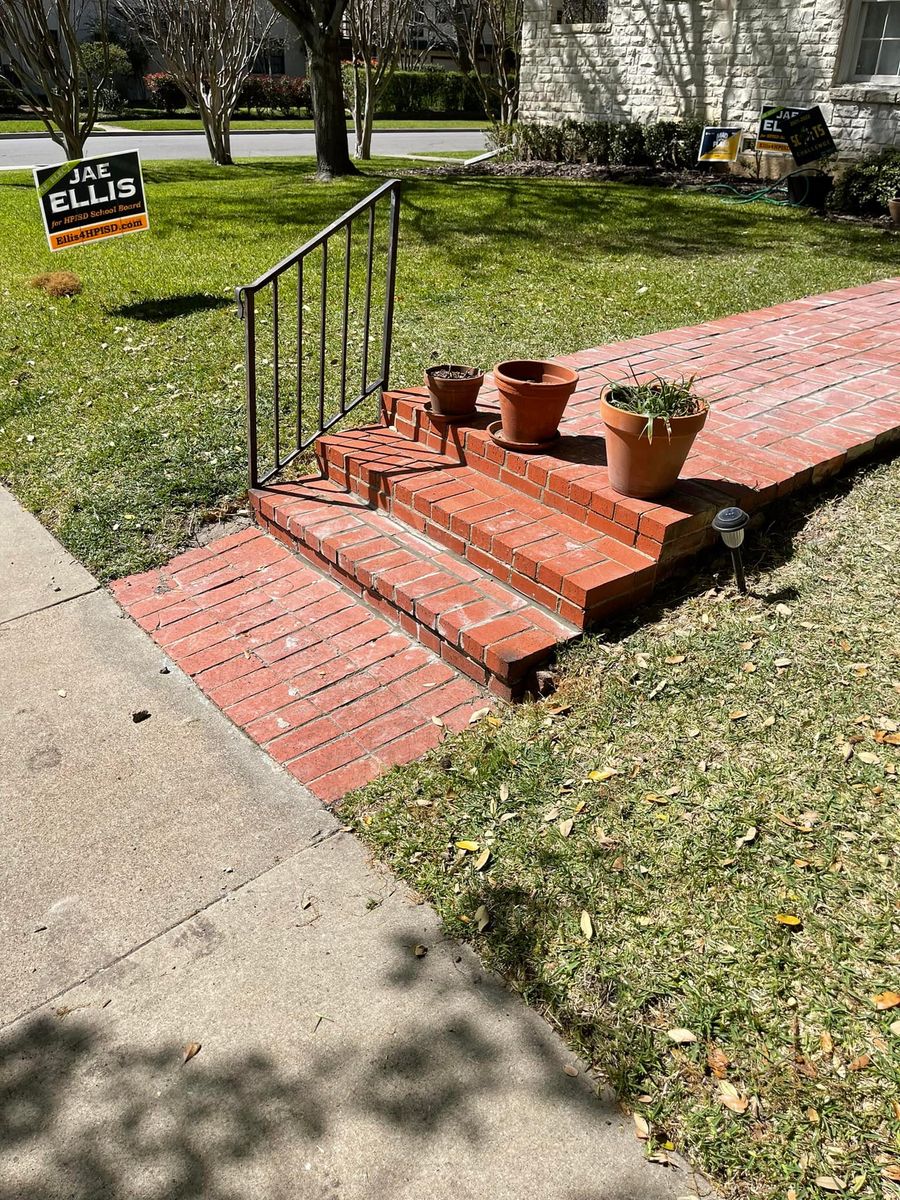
808, 136
92, 199
720, 143
770, 137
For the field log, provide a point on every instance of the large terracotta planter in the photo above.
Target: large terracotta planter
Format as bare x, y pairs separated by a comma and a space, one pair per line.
533, 398
455, 395
641, 466
894, 210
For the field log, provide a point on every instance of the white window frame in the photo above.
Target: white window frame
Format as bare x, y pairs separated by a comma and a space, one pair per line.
853, 45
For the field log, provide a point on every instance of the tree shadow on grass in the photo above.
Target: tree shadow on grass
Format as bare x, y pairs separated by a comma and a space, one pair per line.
166, 308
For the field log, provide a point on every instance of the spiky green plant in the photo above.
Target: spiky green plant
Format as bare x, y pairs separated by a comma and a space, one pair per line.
656, 399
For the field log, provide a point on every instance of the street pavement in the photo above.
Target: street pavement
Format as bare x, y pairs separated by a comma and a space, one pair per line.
38, 151
168, 893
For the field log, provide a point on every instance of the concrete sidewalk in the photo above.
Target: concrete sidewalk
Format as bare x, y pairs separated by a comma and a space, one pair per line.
164, 883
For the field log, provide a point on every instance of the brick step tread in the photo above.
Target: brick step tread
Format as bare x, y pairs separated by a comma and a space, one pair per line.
474, 622
572, 479
310, 672
577, 572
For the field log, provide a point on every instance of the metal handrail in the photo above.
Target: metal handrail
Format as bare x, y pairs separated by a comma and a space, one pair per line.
246, 303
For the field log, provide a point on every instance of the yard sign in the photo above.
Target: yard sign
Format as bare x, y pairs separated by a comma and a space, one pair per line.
770, 136
720, 143
808, 136
92, 199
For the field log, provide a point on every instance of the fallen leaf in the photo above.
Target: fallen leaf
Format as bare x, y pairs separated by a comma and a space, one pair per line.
781, 663
750, 836
891, 739
829, 1183
579, 807
717, 1061
482, 918
468, 846
768, 722
477, 715
783, 610
600, 776
860, 1063
738, 715
788, 919
812, 1116
189, 1051
885, 1000
437, 721
674, 659
504, 793
571, 1071
826, 1042
420, 951
748, 668
551, 814
566, 827
894, 1027
508, 816
587, 925
641, 1127
868, 757
681, 1037
732, 1098
891, 1172
483, 859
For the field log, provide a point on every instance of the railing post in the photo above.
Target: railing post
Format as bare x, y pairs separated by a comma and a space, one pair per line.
249, 315
390, 281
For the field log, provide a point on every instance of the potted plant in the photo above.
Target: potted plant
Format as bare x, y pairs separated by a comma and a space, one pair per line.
894, 209
533, 397
650, 428
453, 390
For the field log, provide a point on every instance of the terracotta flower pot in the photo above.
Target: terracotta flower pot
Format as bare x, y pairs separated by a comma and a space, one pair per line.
641, 466
533, 398
894, 209
456, 393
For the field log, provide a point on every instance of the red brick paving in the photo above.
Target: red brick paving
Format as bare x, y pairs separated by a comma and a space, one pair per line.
450, 564
308, 671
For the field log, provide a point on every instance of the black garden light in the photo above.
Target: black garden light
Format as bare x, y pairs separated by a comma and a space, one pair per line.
731, 523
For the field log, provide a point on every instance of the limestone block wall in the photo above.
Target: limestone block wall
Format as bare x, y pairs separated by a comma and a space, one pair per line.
719, 60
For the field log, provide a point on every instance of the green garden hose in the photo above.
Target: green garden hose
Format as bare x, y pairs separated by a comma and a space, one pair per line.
775, 193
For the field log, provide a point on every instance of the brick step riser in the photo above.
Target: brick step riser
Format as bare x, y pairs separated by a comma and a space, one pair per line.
376, 490
468, 445
403, 613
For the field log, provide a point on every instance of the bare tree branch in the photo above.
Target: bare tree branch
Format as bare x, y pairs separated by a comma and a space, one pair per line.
377, 32
209, 46
40, 37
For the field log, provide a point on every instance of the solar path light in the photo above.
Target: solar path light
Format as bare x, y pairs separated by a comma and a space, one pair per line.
731, 523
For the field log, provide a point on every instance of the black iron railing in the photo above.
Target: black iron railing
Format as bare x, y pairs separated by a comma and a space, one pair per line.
301, 377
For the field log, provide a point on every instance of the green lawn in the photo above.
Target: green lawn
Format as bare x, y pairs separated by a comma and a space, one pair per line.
17, 126
714, 784
121, 412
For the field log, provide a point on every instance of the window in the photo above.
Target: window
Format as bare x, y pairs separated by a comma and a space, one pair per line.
270, 58
583, 12
877, 52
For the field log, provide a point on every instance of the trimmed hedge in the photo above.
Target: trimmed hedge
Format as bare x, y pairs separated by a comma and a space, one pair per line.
665, 144
865, 187
163, 92
420, 93
285, 94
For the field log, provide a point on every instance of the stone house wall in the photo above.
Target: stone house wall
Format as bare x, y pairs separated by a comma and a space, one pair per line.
718, 60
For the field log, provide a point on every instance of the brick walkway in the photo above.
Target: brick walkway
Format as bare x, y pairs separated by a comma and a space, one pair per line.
425, 563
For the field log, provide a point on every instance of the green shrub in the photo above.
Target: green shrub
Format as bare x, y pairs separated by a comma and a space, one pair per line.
163, 92
420, 93
865, 187
671, 145
110, 64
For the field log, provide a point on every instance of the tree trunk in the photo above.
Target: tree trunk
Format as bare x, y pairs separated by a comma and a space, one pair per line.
363, 111
324, 66
217, 127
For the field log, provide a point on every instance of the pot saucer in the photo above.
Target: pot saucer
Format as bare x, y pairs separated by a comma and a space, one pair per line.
426, 407
496, 432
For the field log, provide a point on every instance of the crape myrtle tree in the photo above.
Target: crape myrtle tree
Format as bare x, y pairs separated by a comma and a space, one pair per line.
491, 30
50, 72
378, 30
209, 47
319, 24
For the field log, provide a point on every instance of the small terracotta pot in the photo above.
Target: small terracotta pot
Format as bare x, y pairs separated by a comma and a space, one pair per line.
533, 398
894, 209
452, 397
641, 466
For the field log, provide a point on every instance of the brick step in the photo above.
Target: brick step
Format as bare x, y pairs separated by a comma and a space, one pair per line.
577, 572
475, 623
573, 479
